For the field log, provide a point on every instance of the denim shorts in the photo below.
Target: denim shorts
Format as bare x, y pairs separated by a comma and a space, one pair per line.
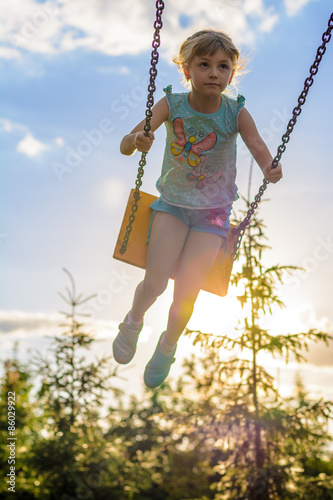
204, 220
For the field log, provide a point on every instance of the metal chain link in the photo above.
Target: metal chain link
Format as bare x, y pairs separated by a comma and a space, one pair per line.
150, 102
240, 230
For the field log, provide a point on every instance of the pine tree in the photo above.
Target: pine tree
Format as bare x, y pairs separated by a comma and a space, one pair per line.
266, 441
71, 453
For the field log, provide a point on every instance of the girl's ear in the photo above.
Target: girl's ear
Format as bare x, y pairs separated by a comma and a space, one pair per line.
231, 76
186, 72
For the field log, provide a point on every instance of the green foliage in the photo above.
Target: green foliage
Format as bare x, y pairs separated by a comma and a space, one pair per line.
17, 381
73, 388
72, 455
267, 440
220, 432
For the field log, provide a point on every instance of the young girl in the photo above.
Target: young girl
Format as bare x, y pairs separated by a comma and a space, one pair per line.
197, 188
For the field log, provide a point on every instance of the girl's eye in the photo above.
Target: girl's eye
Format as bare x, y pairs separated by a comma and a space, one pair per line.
224, 66
204, 64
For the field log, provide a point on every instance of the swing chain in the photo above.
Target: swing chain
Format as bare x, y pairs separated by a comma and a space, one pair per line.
150, 102
240, 230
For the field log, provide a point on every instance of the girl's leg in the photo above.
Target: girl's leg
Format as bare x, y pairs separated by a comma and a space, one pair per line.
167, 239
198, 257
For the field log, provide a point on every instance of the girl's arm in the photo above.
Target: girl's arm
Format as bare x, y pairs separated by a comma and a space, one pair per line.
250, 135
136, 139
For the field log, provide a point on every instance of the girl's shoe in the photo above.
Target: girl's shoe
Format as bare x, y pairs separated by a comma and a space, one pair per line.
158, 367
124, 345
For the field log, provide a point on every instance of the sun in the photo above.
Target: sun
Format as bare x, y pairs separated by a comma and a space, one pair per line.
217, 315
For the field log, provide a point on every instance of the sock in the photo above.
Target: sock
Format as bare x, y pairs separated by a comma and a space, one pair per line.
131, 321
165, 346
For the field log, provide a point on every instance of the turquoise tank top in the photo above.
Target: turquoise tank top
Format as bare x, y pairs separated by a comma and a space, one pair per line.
199, 164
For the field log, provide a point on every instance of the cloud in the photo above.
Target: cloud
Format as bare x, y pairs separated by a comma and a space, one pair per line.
9, 53
302, 319
60, 26
9, 126
23, 334
294, 6
318, 354
31, 25
118, 28
31, 146
35, 330
115, 70
28, 145
268, 22
22, 323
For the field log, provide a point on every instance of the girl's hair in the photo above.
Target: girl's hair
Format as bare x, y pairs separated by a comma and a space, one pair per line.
207, 42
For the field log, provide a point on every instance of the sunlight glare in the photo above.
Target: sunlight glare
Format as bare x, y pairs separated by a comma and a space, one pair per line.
217, 315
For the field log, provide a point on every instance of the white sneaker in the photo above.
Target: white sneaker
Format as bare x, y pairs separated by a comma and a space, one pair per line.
124, 345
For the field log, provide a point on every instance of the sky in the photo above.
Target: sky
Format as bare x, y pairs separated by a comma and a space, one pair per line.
73, 82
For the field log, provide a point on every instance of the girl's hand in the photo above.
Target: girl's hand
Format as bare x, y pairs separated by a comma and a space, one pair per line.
272, 174
143, 143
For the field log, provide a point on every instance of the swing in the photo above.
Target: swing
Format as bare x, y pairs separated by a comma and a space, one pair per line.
134, 251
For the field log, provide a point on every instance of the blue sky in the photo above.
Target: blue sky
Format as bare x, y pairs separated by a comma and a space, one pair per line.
73, 80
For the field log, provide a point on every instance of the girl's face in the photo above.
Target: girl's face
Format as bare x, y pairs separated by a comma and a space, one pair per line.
210, 74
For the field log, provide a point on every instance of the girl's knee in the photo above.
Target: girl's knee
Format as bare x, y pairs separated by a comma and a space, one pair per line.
184, 304
152, 288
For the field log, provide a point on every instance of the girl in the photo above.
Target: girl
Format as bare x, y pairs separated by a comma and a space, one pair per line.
197, 187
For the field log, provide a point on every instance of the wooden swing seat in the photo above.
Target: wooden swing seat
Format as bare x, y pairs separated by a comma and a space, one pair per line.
136, 253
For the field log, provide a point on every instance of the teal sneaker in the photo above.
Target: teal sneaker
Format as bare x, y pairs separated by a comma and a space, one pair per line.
124, 345
158, 367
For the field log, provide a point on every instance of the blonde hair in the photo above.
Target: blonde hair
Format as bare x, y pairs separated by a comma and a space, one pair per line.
207, 42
